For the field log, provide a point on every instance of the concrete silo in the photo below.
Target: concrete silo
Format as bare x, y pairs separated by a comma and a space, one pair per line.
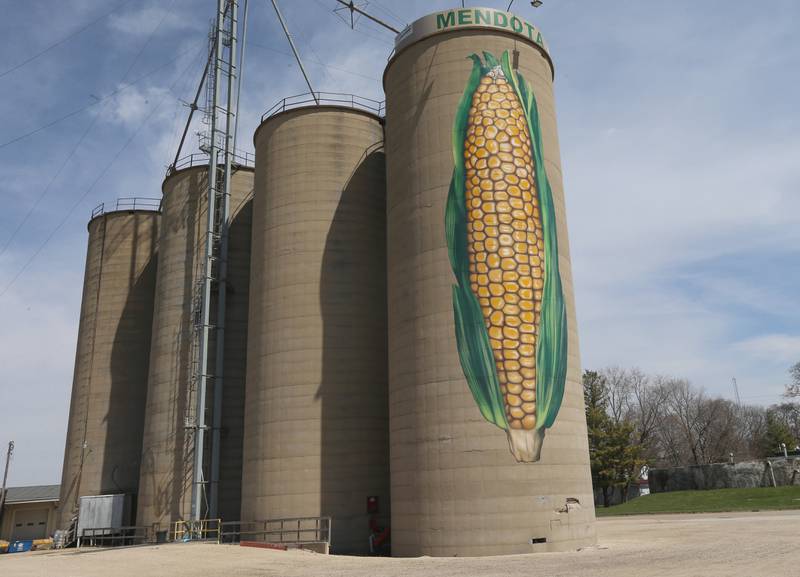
316, 422
488, 436
104, 435
165, 486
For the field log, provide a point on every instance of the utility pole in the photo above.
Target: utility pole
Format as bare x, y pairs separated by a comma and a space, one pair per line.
5, 476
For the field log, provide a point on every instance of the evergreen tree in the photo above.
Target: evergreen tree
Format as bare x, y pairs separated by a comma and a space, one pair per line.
777, 433
614, 455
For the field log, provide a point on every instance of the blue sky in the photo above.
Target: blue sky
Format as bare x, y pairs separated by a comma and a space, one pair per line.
679, 137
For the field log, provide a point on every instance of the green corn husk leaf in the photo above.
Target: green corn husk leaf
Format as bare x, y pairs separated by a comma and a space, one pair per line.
491, 61
551, 348
472, 338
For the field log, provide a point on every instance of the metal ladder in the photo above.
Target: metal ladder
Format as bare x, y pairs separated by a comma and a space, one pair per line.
218, 143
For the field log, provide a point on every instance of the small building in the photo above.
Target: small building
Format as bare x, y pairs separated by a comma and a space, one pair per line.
29, 512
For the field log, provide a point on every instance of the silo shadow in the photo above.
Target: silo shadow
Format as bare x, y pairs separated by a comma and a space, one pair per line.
233, 395
128, 371
353, 391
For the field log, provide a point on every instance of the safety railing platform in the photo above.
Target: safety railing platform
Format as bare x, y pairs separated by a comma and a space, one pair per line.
377, 107
127, 203
241, 158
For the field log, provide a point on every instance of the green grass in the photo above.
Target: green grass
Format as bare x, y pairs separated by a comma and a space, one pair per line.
713, 501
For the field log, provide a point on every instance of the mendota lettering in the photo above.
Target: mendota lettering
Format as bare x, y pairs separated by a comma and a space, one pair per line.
445, 20
488, 17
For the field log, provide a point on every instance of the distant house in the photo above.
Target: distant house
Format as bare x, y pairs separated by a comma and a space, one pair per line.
29, 512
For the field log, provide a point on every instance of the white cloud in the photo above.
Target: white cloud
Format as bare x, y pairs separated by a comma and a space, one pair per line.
144, 21
781, 347
677, 151
133, 105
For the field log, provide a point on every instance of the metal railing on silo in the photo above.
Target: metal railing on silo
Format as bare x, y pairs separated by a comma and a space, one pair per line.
129, 203
241, 158
376, 107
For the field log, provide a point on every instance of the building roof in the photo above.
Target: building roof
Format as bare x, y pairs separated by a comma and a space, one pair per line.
32, 493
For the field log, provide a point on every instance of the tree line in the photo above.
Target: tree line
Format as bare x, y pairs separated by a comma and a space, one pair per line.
635, 420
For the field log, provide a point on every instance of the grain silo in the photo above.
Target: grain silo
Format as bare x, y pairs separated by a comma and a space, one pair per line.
316, 423
104, 435
488, 437
165, 486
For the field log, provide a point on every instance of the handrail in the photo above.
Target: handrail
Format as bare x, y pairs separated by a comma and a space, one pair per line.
202, 530
287, 531
377, 107
128, 203
242, 158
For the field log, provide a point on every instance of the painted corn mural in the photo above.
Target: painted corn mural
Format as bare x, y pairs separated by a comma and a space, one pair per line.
510, 317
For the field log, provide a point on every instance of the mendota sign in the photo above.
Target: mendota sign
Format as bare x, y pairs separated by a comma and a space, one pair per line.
469, 18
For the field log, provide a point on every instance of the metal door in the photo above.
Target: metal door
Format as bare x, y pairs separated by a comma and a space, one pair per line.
29, 524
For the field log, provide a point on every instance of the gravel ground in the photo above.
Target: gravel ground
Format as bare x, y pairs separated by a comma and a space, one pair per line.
707, 545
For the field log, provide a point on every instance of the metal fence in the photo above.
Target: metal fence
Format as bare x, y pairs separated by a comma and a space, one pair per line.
114, 536
328, 98
127, 203
287, 531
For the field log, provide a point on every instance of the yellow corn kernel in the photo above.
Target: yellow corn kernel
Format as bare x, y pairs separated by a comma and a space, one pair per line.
504, 239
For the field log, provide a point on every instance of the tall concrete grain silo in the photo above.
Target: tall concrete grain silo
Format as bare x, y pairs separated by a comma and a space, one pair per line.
488, 436
104, 435
165, 487
316, 423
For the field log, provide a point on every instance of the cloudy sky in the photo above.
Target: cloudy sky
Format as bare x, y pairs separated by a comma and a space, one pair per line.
679, 133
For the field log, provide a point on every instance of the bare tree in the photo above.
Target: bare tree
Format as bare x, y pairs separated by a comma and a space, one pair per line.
789, 414
676, 423
648, 404
618, 388
717, 429
684, 406
751, 428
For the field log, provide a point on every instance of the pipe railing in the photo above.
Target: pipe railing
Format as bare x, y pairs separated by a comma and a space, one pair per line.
202, 530
287, 531
377, 107
127, 203
242, 158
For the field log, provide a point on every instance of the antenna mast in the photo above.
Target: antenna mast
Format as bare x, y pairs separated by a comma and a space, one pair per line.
353, 8
736, 391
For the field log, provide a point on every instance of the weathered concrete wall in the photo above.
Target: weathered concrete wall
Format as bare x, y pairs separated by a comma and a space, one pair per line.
111, 362
168, 446
724, 476
316, 420
456, 488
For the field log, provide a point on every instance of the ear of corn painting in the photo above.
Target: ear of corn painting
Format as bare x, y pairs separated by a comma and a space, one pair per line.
510, 319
